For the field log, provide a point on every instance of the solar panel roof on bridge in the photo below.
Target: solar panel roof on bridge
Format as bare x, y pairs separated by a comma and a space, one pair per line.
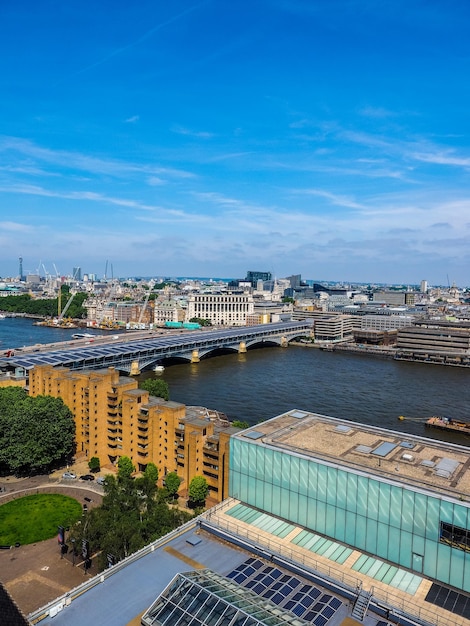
92, 353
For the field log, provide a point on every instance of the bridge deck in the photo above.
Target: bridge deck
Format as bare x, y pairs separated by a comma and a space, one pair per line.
156, 348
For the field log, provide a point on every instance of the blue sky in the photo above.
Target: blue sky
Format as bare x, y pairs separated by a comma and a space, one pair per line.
323, 137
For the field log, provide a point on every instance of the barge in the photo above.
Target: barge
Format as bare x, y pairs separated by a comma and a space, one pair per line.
447, 423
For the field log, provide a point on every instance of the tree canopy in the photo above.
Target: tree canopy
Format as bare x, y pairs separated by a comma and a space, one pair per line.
46, 307
172, 483
35, 433
133, 513
125, 467
156, 387
151, 472
240, 424
198, 490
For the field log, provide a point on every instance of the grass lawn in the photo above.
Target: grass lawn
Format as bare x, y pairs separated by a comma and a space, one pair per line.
35, 518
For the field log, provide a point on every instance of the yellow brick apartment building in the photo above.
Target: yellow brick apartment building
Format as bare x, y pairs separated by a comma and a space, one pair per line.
114, 418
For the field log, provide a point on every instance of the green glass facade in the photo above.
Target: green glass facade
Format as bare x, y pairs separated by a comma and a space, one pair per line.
409, 527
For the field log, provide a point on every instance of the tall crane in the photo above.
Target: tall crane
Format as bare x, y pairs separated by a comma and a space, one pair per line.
144, 306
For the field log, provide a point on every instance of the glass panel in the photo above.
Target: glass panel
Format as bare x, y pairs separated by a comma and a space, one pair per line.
276, 501
321, 483
407, 510
361, 532
294, 473
384, 503
286, 471
293, 512
395, 506
277, 467
394, 544
258, 488
321, 518
351, 493
268, 496
432, 519
252, 460
350, 534
304, 477
311, 513
382, 541
330, 522
268, 465
341, 487
373, 500
406, 551
362, 484
430, 559
312, 471
332, 485
371, 537
302, 520
419, 517
340, 524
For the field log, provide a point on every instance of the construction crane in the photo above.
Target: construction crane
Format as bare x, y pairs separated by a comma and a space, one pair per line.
144, 306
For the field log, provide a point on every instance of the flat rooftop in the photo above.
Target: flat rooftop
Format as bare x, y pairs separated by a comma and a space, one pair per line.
423, 463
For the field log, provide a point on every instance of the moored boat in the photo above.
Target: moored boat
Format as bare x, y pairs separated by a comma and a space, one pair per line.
447, 423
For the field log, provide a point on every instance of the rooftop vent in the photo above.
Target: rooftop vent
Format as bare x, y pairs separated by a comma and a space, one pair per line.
343, 429
298, 414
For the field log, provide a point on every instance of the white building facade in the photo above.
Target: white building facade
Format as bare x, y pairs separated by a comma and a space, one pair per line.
227, 309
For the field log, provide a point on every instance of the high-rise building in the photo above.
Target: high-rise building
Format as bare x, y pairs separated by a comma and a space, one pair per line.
254, 277
114, 418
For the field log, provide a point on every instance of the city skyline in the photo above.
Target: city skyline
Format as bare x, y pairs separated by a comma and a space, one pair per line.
327, 139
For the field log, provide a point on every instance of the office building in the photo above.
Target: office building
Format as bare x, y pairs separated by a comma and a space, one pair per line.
399, 498
228, 309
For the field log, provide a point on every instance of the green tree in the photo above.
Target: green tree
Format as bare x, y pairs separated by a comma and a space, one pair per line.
172, 484
129, 518
94, 464
156, 387
201, 321
36, 433
240, 424
151, 472
198, 491
125, 468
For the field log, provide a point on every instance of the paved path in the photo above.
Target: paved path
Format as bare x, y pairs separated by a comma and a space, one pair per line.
36, 574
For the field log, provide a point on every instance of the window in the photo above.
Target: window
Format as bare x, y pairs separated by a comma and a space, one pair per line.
455, 536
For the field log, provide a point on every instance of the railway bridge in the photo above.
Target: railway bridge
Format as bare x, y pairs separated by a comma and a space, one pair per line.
132, 356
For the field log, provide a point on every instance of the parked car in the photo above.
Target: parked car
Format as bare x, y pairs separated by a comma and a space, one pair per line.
68, 475
100, 480
87, 477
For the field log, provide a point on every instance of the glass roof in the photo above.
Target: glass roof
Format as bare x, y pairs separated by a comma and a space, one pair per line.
204, 598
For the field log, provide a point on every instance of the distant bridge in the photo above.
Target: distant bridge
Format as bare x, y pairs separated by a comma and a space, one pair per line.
132, 356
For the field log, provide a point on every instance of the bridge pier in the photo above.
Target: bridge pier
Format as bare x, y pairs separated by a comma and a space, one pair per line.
135, 369
195, 356
284, 342
242, 347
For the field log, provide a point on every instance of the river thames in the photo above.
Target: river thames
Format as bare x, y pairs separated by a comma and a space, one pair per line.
269, 381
